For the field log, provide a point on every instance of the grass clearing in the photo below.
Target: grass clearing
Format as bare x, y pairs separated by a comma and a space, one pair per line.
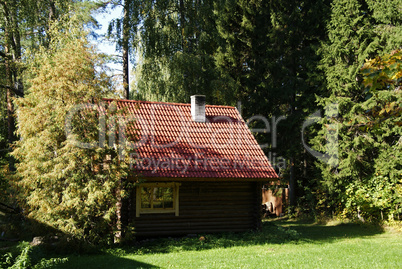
281, 244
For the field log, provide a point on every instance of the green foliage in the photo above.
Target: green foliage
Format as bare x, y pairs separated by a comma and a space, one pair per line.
175, 49
366, 182
116, 26
244, 28
61, 183
269, 55
24, 256
379, 128
24, 26
383, 72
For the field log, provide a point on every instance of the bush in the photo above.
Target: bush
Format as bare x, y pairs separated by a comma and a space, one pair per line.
26, 256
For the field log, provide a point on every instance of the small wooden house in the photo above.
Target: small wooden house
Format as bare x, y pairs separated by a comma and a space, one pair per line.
201, 166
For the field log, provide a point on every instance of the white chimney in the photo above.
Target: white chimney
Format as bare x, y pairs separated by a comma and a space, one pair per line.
198, 108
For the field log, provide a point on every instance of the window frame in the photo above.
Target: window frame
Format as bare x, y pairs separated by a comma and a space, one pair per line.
139, 210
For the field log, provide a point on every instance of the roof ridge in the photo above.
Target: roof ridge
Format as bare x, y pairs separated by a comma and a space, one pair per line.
164, 103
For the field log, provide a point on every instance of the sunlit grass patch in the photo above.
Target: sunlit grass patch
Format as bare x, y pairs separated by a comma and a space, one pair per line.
281, 244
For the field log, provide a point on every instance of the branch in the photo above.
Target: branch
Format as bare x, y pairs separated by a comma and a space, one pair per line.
5, 87
110, 2
16, 91
11, 209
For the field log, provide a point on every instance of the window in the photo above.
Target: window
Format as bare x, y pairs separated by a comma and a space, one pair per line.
157, 198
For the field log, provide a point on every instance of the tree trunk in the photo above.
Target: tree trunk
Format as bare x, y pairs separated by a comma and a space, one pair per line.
121, 202
11, 128
292, 185
182, 23
121, 214
184, 46
52, 11
126, 30
9, 40
292, 194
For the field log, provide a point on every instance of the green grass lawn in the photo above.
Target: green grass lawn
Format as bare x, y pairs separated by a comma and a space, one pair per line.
281, 244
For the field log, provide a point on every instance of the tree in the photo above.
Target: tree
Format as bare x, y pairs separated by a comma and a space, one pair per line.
63, 184
124, 32
359, 30
377, 142
379, 125
269, 54
177, 42
23, 26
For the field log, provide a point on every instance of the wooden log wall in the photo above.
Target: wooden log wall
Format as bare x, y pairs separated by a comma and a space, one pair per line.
205, 207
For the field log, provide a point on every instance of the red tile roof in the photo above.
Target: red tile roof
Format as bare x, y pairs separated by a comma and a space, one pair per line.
172, 145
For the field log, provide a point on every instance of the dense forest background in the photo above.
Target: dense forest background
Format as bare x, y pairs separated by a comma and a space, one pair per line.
281, 59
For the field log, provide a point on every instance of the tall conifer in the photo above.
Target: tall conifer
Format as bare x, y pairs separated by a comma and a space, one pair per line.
269, 54
358, 30
63, 184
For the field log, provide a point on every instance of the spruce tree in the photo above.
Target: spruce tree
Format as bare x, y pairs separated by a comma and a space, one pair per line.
358, 30
269, 53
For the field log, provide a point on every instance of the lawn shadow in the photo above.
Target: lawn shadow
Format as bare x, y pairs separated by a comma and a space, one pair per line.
16, 233
313, 232
273, 232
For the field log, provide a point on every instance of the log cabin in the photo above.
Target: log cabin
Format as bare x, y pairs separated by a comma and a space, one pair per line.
200, 167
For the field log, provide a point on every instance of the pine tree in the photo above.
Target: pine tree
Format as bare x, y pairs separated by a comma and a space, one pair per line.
123, 31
